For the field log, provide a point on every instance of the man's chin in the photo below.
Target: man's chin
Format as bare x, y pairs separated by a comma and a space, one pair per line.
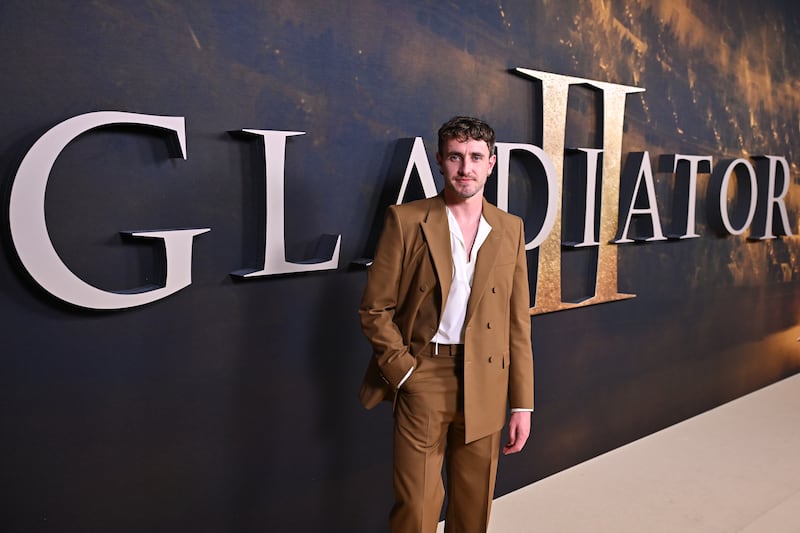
467, 194
463, 194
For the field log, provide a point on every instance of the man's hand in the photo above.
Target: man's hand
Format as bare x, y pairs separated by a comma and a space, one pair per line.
519, 428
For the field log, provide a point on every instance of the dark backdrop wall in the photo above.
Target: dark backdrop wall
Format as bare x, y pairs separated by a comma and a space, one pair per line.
232, 405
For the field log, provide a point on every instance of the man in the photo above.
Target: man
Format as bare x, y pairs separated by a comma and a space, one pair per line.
446, 309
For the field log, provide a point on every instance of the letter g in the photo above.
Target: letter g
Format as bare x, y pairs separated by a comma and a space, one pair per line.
29, 229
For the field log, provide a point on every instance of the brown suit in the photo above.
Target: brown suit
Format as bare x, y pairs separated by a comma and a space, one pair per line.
407, 286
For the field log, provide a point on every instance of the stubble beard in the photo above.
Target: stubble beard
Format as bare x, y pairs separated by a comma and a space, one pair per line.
465, 192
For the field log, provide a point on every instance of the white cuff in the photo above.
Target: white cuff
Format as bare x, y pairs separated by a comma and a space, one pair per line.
408, 374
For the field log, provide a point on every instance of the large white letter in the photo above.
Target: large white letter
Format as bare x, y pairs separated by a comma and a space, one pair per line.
29, 229
693, 164
504, 160
767, 199
718, 215
591, 156
275, 246
418, 159
643, 174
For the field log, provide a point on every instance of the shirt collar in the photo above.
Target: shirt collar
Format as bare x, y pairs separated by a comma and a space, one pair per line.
483, 231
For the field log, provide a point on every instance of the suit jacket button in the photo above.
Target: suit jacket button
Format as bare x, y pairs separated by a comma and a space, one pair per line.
490, 359
488, 325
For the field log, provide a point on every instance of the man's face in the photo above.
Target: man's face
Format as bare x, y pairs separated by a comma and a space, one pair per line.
465, 165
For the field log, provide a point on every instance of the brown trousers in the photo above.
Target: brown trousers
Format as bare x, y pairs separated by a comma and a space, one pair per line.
429, 430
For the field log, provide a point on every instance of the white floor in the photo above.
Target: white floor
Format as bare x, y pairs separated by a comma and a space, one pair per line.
733, 469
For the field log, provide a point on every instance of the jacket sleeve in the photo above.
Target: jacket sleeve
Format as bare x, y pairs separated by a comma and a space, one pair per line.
380, 300
520, 387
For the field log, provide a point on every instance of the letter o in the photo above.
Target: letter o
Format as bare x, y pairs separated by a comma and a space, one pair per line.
719, 215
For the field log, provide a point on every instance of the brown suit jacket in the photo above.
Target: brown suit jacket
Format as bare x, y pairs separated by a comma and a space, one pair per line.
407, 286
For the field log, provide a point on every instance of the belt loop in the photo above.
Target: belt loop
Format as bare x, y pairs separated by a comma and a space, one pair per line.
436, 348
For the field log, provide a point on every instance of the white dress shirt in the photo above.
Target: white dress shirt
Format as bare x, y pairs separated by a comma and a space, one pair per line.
451, 327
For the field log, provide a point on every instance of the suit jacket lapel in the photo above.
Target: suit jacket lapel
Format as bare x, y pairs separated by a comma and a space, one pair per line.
484, 263
437, 233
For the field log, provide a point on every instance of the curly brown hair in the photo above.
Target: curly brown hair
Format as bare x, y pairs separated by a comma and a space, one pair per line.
463, 128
